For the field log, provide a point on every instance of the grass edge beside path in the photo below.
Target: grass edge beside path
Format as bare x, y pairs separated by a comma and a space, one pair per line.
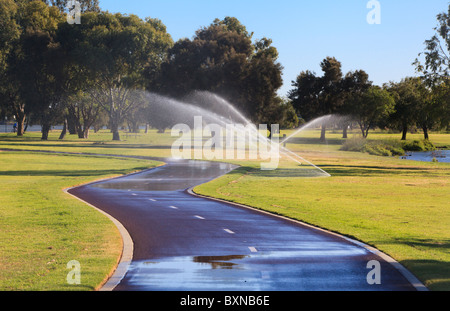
379, 211
43, 228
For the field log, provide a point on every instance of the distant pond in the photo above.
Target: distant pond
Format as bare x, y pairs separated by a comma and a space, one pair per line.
428, 156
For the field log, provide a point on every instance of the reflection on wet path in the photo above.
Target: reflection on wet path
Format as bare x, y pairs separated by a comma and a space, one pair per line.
186, 243
219, 262
176, 175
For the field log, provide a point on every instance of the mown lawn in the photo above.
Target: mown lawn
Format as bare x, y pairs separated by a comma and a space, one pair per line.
400, 207
42, 228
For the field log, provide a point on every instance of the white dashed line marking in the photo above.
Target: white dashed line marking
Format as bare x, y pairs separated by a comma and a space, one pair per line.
174, 207
229, 231
199, 217
153, 200
252, 249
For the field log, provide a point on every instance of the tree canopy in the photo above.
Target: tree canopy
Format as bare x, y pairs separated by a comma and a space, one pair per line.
96, 72
222, 58
111, 54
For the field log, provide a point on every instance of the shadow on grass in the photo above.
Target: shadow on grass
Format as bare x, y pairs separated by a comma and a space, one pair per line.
301, 171
94, 145
336, 171
362, 170
314, 141
64, 173
435, 274
424, 244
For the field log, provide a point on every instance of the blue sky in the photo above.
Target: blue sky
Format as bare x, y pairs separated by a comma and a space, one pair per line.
305, 32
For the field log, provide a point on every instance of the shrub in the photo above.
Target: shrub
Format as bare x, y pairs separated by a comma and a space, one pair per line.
415, 145
379, 148
397, 151
354, 144
428, 145
418, 145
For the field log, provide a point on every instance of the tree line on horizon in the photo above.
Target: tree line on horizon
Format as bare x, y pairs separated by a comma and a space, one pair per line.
93, 74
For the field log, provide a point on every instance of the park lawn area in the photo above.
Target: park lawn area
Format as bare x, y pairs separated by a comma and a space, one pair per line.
400, 207
152, 144
42, 228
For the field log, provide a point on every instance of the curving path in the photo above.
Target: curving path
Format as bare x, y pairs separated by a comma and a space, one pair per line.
184, 242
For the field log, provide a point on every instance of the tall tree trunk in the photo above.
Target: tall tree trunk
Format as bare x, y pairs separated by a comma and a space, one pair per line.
86, 132
80, 133
20, 119
115, 131
71, 122
363, 130
425, 132
322, 133
79, 128
405, 132
45, 130
367, 132
64, 130
27, 122
345, 131
116, 136
83, 132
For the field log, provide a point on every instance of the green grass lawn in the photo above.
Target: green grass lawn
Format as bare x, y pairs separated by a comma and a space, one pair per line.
152, 144
401, 207
42, 228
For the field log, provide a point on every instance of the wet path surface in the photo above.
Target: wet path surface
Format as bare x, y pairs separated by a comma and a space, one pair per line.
186, 243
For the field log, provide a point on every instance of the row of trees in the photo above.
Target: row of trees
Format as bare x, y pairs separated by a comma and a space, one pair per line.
94, 73
422, 102
53, 72
410, 103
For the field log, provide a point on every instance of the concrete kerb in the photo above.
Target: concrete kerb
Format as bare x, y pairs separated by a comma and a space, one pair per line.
412, 279
126, 256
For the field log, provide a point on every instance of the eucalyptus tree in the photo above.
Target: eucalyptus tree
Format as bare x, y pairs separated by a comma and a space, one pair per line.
222, 58
9, 33
40, 64
314, 96
355, 83
30, 76
437, 52
9, 29
111, 53
83, 112
435, 72
408, 96
372, 107
434, 107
